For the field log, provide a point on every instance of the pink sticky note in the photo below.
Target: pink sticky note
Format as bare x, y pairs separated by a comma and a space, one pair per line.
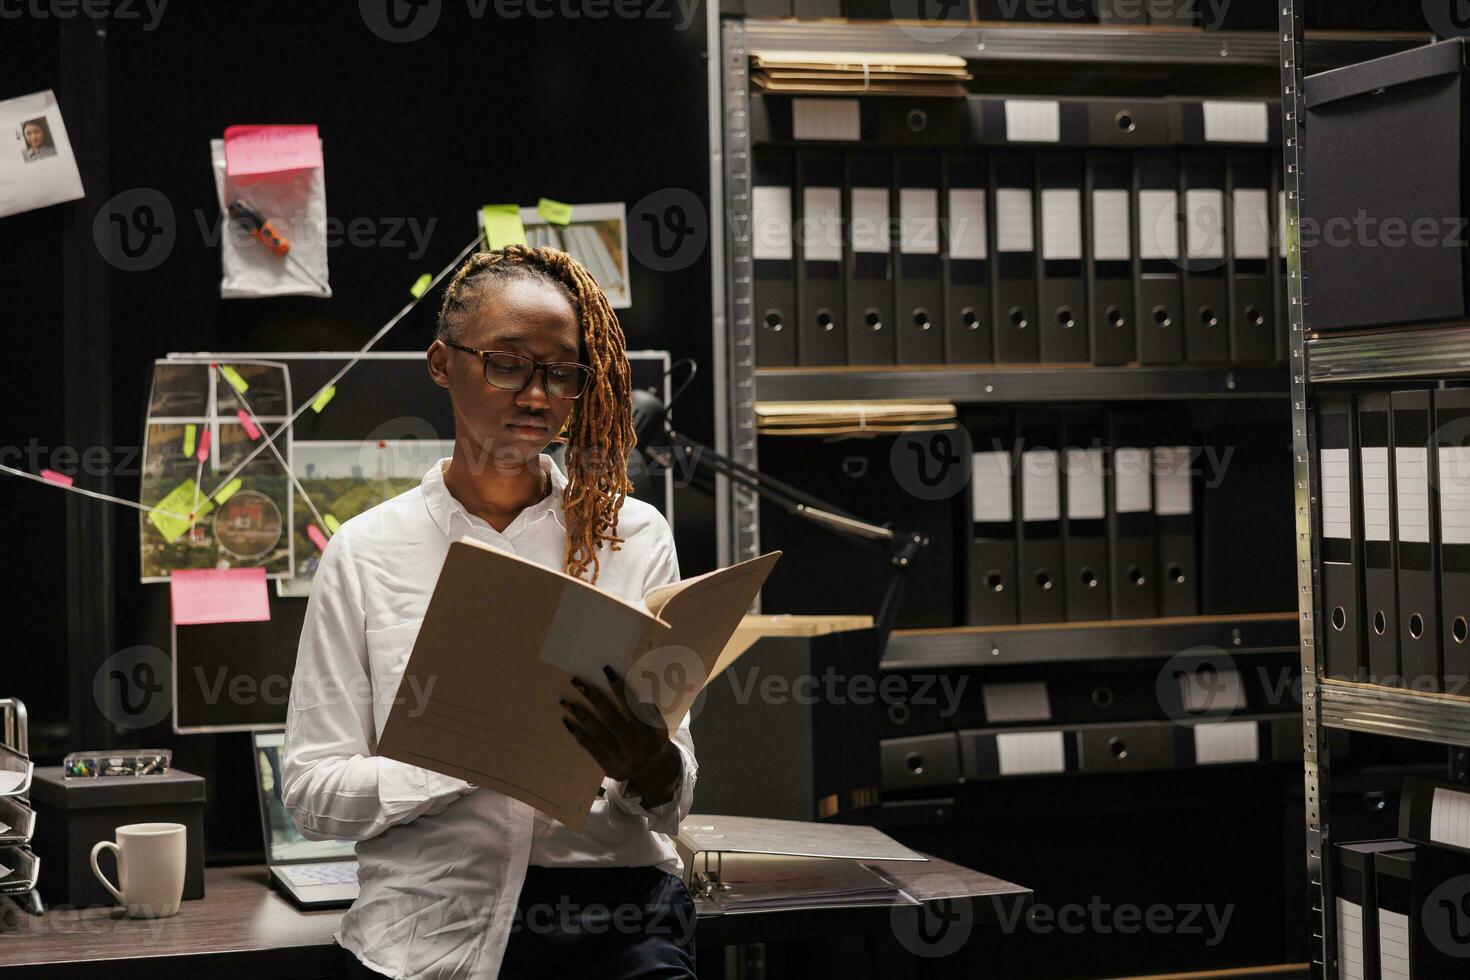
218, 595
317, 537
247, 425
56, 477
267, 149
202, 453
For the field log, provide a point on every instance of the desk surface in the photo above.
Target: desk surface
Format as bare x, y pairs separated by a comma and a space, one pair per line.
243, 928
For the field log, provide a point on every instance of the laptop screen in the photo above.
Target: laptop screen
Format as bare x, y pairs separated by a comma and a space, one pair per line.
283, 842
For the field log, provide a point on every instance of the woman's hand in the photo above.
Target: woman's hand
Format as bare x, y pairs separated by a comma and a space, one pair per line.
627, 737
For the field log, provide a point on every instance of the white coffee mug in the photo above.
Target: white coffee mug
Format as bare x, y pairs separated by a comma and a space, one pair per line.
150, 868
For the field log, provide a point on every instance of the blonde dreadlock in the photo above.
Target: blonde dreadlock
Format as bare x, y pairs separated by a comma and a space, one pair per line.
599, 431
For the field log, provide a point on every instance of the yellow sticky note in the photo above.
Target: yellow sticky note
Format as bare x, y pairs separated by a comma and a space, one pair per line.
420, 285
190, 431
503, 225
228, 490
333, 524
322, 399
233, 377
554, 212
180, 500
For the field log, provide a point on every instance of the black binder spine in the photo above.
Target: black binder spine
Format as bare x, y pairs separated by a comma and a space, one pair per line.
1110, 310
1159, 303
1131, 518
1013, 283
1342, 532
1062, 319
1415, 538
918, 308
1252, 293
773, 176
869, 260
1380, 587
967, 322
1038, 524
1085, 521
1452, 437
1206, 294
820, 336
991, 572
1174, 524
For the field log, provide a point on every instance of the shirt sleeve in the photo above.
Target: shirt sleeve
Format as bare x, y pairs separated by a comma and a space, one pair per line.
332, 784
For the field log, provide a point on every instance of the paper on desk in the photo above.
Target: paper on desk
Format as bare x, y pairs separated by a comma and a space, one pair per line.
37, 167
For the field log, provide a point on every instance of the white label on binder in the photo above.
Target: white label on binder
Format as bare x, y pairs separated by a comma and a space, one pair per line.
826, 119
1013, 220
1131, 481
1236, 122
1158, 226
1373, 463
990, 487
1350, 939
1061, 224
1172, 485
1204, 688
821, 229
1006, 703
1085, 488
771, 224
1393, 945
1411, 479
1020, 753
1337, 494
1281, 235
967, 224
1110, 242
1449, 818
1252, 223
1041, 496
870, 219
1205, 229
1454, 494
1226, 741
1033, 121
918, 220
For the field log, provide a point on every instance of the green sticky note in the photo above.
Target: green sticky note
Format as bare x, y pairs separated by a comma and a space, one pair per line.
420, 285
233, 377
554, 212
332, 523
180, 500
322, 399
190, 430
503, 225
228, 490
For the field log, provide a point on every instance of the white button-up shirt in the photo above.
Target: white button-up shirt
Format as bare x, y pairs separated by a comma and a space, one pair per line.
441, 862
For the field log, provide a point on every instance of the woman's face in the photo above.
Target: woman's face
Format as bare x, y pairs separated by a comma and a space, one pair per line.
35, 136
509, 428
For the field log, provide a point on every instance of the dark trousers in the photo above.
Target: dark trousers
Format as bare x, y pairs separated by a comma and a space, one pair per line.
585, 923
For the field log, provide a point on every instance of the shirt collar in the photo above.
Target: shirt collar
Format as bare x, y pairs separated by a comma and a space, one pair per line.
444, 507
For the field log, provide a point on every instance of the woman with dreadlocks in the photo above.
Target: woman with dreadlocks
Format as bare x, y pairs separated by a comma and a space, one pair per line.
458, 881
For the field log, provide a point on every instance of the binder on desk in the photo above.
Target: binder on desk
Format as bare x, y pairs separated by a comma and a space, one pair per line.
1156, 205
869, 260
967, 322
1342, 529
1206, 295
1414, 540
918, 308
1039, 521
1380, 590
1252, 293
1452, 438
772, 179
1110, 316
1357, 905
1013, 282
1062, 312
821, 335
1131, 518
991, 571
1174, 528
1085, 522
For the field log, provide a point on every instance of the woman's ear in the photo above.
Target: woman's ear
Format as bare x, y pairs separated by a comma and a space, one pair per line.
438, 362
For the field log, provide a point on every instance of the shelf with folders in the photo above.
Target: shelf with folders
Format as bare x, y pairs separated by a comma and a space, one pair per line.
1426, 716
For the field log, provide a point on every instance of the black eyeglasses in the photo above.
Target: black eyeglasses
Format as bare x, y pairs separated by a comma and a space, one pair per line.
512, 372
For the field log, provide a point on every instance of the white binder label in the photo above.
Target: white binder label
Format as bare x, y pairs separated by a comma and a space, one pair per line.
1040, 493
771, 225
1131, 490
1350, 939
1411, 479
967, 224
990, 487
826, 119
821, 208
1006, 703
1158, 226
1252, 223
1013, 220
1449, 818
1020, 753
1454, 494
918, 220
1061, 224
1393, 945
1205, 229
1085, 489
1373, 462
1236, 122
1337, 494
1205, 689
1172, 487
1033, 121
1110, 226
870, 219
1227, 741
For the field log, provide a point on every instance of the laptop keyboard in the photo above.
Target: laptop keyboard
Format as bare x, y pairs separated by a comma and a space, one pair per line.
331, 873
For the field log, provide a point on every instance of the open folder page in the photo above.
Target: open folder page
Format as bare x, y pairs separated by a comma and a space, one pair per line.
500, 643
